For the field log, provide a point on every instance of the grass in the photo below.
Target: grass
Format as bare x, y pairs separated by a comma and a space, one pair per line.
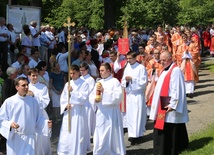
208, 65
201, 143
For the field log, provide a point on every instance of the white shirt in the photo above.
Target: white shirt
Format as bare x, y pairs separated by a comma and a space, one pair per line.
12, 37
32, 63
36, 41
62, 60
27, 42
3, 29
16, 65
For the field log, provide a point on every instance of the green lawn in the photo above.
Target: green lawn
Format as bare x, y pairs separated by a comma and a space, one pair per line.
201, 143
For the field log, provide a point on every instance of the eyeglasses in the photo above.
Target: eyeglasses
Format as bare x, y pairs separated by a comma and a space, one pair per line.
82, 70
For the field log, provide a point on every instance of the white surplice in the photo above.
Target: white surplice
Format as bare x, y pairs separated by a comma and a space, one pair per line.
76, 142
27, 114
177, 93
90, 109
135, 99
40, 92
108, 135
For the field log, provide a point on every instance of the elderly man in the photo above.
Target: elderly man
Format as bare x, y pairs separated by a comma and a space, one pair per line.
169, 109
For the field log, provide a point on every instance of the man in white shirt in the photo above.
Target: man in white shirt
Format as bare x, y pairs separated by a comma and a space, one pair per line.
61, 58
35, 34
4, 35
34, 60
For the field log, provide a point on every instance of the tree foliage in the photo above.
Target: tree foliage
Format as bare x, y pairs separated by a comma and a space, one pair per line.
138, 13
195, 12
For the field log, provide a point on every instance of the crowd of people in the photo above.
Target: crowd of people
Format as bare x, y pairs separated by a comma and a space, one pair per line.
103, 92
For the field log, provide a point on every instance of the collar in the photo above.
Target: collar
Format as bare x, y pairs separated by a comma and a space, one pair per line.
167, 68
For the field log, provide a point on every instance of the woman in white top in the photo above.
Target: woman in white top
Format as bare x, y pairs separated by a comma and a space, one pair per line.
92, 67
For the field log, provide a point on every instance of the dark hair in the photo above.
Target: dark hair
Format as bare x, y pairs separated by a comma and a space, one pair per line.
106, 65
34, 50
87, 52
85, 65
32, 70
75, 68
142, 45
60, 47
42, 64
21, 47
113, 52
16, 81
26, 29
132, 54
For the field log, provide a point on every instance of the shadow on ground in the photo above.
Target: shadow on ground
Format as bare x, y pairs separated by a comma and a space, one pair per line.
199, 143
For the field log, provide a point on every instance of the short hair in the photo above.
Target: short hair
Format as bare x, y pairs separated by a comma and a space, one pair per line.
16, 81
19, 55
33, 22
79, 52
21, 47
168, 54
11, 70
2, 18
106, 65
132, 54
39, 68
23, 66
32, 70
113, 52
87, 52
34, 50
142, 45
75, 68
42, 63
85, 65
60, 47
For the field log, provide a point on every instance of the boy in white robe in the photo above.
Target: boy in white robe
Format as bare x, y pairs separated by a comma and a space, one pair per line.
108, 135
20, 118
90, 109
77, 140
134, 81
40, 92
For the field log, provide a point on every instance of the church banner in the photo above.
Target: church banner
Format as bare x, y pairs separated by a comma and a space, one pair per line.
123, 45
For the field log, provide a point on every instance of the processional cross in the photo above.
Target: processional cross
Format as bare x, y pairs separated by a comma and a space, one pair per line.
69, 24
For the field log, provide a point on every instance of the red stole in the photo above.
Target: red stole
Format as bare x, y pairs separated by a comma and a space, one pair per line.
159, 124
119, 76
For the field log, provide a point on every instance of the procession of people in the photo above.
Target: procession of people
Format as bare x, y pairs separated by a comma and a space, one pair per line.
103, 93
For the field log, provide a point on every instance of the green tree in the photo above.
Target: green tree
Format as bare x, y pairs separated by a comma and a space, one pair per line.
150, 13
195, 12
134, 12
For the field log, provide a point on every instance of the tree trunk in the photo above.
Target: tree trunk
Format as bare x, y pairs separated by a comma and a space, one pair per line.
109, 16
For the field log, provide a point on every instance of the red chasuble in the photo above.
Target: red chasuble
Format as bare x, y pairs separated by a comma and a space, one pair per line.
159, 124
